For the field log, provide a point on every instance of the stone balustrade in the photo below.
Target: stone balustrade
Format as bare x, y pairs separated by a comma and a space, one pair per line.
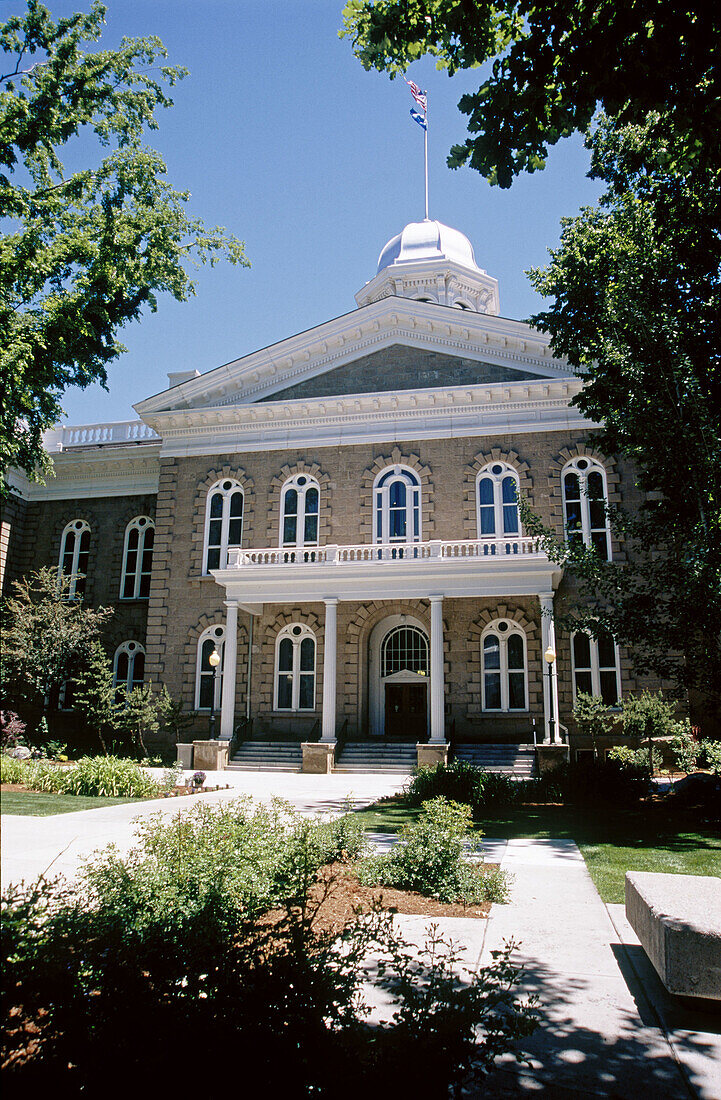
88, 435
386, 552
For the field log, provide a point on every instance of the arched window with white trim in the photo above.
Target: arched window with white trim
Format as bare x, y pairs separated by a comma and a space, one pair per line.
209, 687
497, 493
300, 504
128, 668
74, 554
223, 522
585, 505
295, 668
137, 559
504, 674
596, 666
405, 649
397, 498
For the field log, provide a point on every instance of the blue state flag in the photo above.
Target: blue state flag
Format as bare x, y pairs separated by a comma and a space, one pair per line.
418, 117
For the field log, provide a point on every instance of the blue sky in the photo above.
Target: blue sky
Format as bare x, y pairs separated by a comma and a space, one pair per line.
281, 136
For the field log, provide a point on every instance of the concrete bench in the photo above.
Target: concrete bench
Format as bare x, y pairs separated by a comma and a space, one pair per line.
677, 918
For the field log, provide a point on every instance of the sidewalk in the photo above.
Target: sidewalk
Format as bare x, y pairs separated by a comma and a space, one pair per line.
56, 845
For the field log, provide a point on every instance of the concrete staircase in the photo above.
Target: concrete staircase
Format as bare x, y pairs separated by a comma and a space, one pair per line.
518, 760
383, 756
267, 756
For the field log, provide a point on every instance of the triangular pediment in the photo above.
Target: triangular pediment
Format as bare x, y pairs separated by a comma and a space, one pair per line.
389, 346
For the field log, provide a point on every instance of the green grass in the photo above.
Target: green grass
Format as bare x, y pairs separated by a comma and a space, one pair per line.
612, 840
47, 803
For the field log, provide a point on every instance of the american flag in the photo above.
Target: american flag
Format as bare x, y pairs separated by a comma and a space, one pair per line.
420, 97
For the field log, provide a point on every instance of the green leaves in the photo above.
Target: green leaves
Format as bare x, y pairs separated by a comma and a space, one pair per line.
84, 253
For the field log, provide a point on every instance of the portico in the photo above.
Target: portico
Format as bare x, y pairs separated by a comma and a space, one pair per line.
433, 571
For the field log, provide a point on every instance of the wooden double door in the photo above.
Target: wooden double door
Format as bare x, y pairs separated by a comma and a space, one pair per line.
406, 710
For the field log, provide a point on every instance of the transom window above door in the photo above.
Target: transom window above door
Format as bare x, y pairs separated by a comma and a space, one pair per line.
397, 499
497, 497
300, 504
404, 649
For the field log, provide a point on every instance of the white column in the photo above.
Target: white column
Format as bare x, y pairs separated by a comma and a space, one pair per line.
550, 683
437, 679
329, 671
230, 662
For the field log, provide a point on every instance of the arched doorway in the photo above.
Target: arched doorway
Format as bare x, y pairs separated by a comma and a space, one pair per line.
399, 669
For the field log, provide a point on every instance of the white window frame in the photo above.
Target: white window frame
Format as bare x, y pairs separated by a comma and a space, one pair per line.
498, 504
215, 632
142, 524
381, 503
133, 649
587, 467
503, 636
296, 639
226, 486
75, 529
596, 668
302, 491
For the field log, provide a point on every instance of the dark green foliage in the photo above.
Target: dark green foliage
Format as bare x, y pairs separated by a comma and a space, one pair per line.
164, 958
84, 251
553, 64
460, 781
430, 858
590, 783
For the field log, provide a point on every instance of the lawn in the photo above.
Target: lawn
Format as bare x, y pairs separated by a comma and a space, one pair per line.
612, 841
46, 803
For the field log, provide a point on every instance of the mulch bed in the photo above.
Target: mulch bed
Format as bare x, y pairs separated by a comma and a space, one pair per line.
177, 792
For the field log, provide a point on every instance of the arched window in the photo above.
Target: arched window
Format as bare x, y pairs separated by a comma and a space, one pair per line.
74, 553
584, 505
300, 501
503, 656
205, 691
596, 667
397, 494
295, 668
404, 649
497, 496
137, 559
223, 522
128, 668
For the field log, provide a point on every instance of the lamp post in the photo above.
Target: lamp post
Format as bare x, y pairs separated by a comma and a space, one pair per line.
550, 658
213, 661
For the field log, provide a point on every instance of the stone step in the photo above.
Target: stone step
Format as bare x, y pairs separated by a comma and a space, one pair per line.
518, 760
267, 756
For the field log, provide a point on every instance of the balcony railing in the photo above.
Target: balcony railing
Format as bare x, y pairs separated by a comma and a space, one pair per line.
88, 435
386, 552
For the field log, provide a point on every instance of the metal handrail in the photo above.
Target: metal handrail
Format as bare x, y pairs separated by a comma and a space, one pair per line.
341, 738
241, 733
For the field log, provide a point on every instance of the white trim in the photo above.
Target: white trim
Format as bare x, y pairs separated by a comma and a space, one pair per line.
504, 671
216, 632
498, 504
595, 667
300, 516
133, 650
395, 474
583, 466
227, 487
143, 524
296, 640
75, 529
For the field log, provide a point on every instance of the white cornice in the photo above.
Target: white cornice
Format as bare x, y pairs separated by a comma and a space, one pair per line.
95, 472
259, 375
497, 408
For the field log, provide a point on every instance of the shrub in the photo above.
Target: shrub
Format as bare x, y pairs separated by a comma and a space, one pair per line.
12, 770
635, 760
685, 749
12, 729
648, 715
92, 775
429, 857
711, 756
457, 781
590, 783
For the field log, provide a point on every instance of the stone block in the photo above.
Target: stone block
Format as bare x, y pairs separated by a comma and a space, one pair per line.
677, 918
318, 757
429, 754
550, 757
184, 755
210, 756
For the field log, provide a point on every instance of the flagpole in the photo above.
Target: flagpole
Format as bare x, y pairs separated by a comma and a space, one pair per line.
425, 157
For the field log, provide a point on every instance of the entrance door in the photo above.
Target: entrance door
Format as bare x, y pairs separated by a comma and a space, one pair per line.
406, 714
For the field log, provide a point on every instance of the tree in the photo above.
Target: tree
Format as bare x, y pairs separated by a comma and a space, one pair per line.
138, 715
88, 249
96, 694
553, 63
636, 288
47, 638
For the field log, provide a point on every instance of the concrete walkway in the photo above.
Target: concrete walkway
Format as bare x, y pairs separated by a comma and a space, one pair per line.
32, 846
